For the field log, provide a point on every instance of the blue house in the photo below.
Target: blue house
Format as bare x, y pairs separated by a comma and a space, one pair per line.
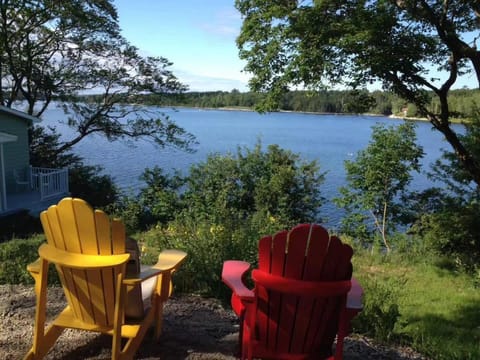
21, 185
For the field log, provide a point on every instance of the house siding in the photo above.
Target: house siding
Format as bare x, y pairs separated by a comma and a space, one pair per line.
15, 153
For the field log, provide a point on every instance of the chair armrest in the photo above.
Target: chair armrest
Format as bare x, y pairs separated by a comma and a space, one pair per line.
354, 296
145, 274
169, 260
34, 267
233, 273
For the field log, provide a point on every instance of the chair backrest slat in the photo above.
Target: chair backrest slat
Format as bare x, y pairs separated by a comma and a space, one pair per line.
294, 266
271, 301
337, 267
306, 326
288, 323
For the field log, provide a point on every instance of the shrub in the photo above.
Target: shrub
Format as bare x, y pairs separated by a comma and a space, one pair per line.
87, 183
275, 183
19, 225
452, 229
158, 202
380, 312
15, 255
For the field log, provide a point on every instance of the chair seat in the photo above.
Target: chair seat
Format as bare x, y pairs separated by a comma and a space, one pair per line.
148, 287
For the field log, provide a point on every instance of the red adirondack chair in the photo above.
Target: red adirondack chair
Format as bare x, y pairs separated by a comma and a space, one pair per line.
304, 296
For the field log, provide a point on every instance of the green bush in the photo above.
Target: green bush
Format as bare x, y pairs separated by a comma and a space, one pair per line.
19, 225
87, 182
158, 202
381, 311
274, 183
208, 246
15, 255
452, 230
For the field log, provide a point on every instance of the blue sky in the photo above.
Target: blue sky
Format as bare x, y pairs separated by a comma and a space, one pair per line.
197, 36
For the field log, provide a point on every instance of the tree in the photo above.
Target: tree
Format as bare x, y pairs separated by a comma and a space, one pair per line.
65, 50
447, 218
377, 180
404, 44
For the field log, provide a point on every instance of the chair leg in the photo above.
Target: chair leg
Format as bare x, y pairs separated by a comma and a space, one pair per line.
46, 342
42, 340
158, 320
163, 291
131, 346
346, 317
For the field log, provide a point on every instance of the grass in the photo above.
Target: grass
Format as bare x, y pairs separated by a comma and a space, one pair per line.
439, 309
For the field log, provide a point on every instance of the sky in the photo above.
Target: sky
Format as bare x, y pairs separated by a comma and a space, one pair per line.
198, 36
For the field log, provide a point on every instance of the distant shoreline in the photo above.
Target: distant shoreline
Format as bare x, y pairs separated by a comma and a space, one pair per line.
246, 109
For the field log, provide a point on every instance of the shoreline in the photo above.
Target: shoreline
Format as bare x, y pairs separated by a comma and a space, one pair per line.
244, 109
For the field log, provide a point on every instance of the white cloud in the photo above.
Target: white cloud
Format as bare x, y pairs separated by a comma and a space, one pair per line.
199, 82
226, 24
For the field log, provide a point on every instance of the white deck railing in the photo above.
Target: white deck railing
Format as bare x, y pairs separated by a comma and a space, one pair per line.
49, 182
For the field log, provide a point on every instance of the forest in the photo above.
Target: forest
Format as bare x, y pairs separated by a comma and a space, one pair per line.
462, 102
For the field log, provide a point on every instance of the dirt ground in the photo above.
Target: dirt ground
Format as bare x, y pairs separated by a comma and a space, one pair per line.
194, 328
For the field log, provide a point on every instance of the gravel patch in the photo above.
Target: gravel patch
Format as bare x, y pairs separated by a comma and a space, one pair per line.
193, 328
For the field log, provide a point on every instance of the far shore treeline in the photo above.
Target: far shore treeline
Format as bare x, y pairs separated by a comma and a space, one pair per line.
462, 102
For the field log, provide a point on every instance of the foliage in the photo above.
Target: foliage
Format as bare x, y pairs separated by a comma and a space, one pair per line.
449, 170
456, 232
54, 50
132, 213
359, 102
44, 144
158, 202
380, 309
430, 44
447, 218
15, 255
208, 246
18, 225
87, 183
377, 181
275, 183
162, 194
452, 229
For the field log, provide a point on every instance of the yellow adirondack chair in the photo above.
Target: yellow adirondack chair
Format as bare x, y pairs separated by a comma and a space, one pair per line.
88, 250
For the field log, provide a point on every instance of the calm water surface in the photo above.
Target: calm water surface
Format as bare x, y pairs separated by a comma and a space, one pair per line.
329, 139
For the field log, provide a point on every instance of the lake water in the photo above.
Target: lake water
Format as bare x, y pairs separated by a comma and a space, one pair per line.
329, 139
